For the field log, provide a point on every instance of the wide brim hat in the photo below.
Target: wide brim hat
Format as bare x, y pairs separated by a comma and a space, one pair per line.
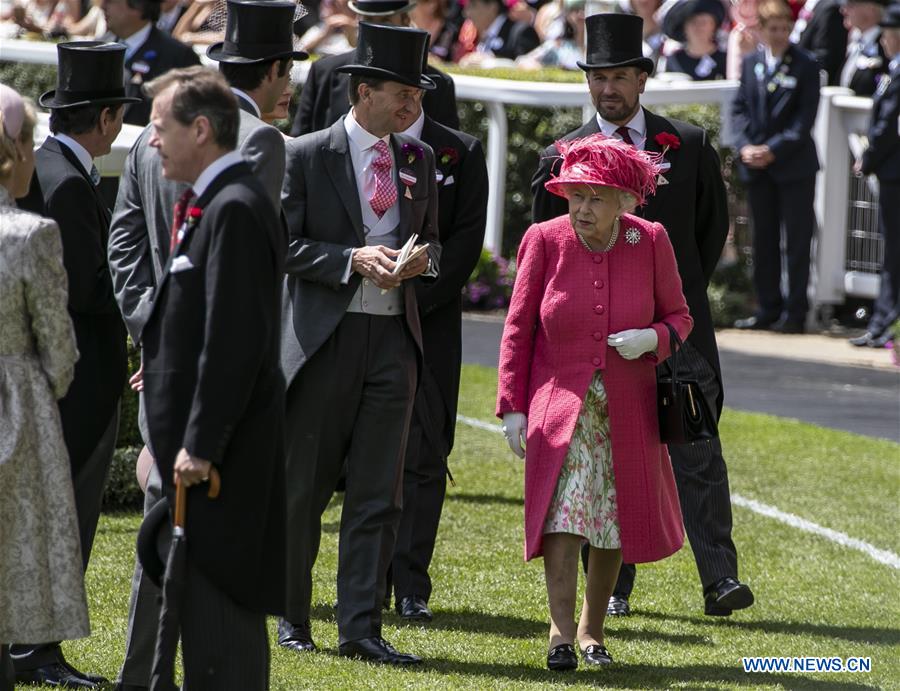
891, 18
258, 31
614, 40
679, 14
380, 8
601, 161
88, 73
392, 53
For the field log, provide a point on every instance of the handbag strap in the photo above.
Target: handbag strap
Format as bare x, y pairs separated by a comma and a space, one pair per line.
674, 339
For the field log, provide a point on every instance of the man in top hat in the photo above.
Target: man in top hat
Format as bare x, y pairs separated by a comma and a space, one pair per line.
866, 63
85, 117
213, 390
498, 35
149, 52
820, 30
139, 242
461, 175
691, 203
324, 96
882, 159
354, 194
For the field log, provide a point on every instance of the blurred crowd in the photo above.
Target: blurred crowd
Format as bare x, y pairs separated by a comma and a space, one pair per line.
685, 39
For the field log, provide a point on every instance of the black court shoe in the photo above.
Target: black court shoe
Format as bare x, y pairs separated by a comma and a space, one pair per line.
562, 658
618, 606
596, 655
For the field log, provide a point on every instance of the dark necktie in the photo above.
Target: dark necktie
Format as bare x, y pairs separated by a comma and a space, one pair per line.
181, 207
623, 133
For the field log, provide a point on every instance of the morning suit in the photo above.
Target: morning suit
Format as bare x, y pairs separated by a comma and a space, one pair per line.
693, 208
864, 69
158, 54
138, 250
825, 36
512, 40
351, 374
882, 159
212, 385
324, 97
462, 184
565, 303
778, 108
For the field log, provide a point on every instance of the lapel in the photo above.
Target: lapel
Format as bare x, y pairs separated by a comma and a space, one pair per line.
404, 204
245, 105
55, 146
146, 54
655, 126
339, 166
760, 82
777, 97
503, 35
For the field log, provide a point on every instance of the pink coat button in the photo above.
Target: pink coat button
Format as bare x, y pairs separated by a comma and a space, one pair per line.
598, 336
599, 309
598, 259
596, 362
598, 284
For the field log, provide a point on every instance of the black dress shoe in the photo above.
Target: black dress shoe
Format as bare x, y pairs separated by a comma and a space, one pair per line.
296, 637
414, 608
596, 655
376, 649
870, 340
754, 323
562, 658
618, 606
725, 595
58, 674
789, 326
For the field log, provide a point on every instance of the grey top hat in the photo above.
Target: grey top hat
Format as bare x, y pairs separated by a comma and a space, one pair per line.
88, 72
615, 40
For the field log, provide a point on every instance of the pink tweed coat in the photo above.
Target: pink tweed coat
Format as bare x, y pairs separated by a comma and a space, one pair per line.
565, 302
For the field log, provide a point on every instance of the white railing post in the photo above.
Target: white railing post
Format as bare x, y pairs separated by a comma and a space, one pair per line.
496, 162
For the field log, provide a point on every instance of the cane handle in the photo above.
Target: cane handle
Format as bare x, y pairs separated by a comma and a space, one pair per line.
215, 483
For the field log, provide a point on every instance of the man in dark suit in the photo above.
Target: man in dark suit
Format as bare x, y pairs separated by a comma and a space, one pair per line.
691, 203
324, 97
461, 175
85, 118
772, 118
866, 63
354, 194
212, 386
149, 51
498, 35
882, 159
170, 11
821, 31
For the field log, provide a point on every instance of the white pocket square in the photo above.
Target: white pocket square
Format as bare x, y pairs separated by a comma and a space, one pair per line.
449, 180
182, 263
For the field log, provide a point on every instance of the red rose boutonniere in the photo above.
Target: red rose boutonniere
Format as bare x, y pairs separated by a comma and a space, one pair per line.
412, 152
448, 156
194, 214
667, 141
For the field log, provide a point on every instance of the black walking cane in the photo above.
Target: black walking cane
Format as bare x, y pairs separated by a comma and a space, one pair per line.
162, 677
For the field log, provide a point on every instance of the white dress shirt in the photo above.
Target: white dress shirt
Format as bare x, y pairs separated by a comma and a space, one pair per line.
487, 45
84, 158
637, 128
213, 170
415, 130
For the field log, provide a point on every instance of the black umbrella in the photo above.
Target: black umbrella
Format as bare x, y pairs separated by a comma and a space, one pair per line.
162, 677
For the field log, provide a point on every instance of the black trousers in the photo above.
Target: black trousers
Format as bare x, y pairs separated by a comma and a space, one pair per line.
702, 481
352, 400
774, 206
424, 487
887, 305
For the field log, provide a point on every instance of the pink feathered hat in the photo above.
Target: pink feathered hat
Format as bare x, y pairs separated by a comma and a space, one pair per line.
605, 162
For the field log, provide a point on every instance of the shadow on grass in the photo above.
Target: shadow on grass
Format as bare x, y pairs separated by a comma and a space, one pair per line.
485, 499
855, 634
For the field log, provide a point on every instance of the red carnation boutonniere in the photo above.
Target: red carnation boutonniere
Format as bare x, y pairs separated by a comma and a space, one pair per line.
667, 141
448, 156
412, 152
193, 216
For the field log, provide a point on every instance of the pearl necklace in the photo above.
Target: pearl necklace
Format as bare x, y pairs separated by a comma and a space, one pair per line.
609, 245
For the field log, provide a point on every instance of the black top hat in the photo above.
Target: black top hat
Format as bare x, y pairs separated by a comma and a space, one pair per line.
615, 40
380, 8
257, 31
392, 53
677, 17
891, 18
89, 72
148, 540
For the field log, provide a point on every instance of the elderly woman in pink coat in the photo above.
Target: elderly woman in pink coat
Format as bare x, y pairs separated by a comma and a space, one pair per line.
587, 325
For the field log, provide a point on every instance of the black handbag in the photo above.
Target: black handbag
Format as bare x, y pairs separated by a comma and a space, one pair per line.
684, 415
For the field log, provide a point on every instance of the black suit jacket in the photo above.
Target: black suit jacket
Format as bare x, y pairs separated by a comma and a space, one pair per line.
159, 54
321, 203
826, 37
62, 190
882, 157
462, 214
212, 385
514, 39
324, 97
779, 111
873, 67
693, 207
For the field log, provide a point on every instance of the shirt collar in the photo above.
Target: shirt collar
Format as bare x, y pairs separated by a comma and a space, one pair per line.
247, 97
870, 35
136, 40
415, 130
361, 137
213, 170
638, 124
84, 158
494, 28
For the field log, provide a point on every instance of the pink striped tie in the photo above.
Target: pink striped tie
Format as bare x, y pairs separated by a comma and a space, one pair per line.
385, 194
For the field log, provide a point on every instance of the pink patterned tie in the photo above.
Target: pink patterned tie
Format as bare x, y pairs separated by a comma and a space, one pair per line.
385, 194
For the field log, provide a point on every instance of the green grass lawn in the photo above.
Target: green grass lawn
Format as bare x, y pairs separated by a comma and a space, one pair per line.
814, 597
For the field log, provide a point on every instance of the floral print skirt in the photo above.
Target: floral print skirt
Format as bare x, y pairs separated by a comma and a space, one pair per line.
585, 500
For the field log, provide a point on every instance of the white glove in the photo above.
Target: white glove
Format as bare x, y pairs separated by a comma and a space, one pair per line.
515, 428
632, 343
